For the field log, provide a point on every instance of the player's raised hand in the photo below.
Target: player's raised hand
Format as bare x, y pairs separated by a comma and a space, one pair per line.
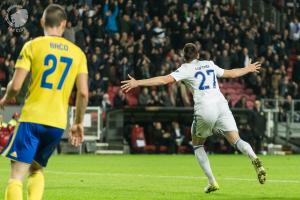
129, 84
76, 134
253, 67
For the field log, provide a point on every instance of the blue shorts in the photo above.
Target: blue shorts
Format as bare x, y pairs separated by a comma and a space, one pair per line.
31, 141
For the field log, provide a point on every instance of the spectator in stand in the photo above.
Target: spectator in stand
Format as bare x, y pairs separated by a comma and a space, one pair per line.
94, 65
285, 108
295, 30
258, 125
276, 80
70, 32
257, 107
228, 98
111, 17
155, 98
106, 104
156, 101
224, 60
162, 138
125, 24
144, 97
120, 100
257, 82
165, 98
244, 58
242, 103
99, 31
288, 87
97, 90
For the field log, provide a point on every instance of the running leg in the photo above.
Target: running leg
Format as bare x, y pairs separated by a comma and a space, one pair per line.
234, 139
202, 158
14, 189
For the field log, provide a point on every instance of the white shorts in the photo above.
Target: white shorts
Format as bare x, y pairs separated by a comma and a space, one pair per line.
213, 118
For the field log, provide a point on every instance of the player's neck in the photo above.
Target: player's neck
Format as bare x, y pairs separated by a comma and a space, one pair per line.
191, 61
53, 32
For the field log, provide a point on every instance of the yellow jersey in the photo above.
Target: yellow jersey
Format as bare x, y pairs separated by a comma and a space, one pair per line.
54, 63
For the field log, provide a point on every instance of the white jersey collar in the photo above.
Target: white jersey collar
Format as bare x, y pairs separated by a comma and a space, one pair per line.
194, 61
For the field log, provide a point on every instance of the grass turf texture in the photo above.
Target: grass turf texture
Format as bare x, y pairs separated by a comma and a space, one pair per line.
163, 177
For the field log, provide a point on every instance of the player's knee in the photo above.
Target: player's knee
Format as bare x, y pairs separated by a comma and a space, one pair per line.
18, 171
17, 176
35, 168
232, 137
198, 141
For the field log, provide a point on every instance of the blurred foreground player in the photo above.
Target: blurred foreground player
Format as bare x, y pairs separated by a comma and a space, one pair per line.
55, 65
211, 110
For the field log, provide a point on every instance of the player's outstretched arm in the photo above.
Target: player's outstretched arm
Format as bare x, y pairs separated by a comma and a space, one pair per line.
234, 73
14, 86
159, 80
76, 133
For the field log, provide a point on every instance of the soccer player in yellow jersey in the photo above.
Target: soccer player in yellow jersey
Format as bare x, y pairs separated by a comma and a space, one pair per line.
55, 64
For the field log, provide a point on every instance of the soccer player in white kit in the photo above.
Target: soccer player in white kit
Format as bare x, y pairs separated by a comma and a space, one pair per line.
211, 110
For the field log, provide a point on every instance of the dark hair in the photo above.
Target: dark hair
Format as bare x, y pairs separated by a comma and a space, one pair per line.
54, 14
190, 52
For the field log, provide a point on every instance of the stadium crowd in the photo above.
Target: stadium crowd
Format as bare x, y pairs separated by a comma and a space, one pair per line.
144, 39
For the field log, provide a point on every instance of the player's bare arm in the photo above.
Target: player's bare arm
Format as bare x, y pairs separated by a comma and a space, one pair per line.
76, 133
14, 86
234, 73
127, 85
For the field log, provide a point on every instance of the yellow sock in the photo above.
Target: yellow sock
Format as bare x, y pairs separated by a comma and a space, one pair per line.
36, 184
14, 190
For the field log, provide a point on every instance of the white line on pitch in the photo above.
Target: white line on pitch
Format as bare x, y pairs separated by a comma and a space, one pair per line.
160, 176
164, 176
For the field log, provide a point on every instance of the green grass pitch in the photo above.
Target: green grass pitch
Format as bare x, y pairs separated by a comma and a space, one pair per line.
163, 177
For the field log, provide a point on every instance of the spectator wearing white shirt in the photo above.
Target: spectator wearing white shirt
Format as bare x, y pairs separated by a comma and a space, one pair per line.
295, 30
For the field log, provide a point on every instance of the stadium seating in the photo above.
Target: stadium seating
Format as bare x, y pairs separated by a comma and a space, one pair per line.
237, 90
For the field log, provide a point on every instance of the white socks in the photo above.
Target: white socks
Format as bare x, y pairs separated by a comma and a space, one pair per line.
204, 162
202, 158
245, 148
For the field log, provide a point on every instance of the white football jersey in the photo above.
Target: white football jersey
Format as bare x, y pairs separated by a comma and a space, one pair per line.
201, 78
